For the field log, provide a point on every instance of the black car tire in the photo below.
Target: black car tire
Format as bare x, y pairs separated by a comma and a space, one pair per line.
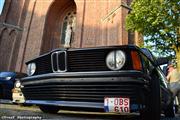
49, 109
153, 107
170, 111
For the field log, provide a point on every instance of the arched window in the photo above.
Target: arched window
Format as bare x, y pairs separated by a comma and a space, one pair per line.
68, 28
59, 29
1, 5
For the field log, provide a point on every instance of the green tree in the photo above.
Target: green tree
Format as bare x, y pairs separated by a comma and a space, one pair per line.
159, 22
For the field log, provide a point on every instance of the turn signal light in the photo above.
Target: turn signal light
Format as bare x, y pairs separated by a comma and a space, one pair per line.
136, 60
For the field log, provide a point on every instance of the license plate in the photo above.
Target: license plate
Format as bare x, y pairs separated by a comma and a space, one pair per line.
117, 104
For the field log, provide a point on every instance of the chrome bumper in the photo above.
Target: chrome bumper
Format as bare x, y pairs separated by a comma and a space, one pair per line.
67, 103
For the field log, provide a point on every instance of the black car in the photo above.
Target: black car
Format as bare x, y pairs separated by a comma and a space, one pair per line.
7, 80
123, 79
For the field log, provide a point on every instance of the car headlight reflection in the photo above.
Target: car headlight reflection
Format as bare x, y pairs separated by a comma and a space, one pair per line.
115, 60
31, 68
8, 78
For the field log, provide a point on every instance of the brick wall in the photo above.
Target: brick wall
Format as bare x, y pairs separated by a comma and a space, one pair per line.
29, 28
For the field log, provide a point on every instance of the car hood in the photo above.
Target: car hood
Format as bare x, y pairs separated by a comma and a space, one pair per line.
7, 74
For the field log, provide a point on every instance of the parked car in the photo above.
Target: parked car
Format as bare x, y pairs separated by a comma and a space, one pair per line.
7, 80
124, 79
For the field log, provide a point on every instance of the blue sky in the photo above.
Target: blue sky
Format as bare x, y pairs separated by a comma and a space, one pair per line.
1, 5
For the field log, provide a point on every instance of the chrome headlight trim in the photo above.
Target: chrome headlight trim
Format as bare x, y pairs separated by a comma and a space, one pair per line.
115, 60
31, 69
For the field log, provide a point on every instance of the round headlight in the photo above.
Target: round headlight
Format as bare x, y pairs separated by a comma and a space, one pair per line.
115, 60
17, 84
31, 68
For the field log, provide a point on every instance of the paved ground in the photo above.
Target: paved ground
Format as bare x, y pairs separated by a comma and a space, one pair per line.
11, 112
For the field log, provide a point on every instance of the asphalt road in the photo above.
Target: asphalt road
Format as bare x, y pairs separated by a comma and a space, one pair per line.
17, 112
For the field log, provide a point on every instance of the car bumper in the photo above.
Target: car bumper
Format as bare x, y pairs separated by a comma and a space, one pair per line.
86, 90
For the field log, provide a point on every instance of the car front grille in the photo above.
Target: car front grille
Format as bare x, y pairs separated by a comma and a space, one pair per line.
75, 61
83, 91
87, 60
43, 65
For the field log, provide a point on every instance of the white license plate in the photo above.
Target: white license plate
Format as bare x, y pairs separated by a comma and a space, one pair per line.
118, 104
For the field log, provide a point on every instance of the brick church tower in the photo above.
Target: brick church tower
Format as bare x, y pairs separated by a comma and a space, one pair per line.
29, 28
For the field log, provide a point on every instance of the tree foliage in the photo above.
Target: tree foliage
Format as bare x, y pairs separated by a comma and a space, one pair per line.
158, 21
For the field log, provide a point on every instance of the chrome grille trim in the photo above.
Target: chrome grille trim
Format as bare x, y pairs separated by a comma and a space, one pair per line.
57, 54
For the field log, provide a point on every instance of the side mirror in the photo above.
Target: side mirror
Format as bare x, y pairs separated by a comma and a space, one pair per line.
162, 60
148, 53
